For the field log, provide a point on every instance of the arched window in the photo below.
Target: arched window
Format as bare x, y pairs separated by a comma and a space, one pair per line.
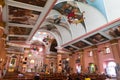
110, 69
107, 50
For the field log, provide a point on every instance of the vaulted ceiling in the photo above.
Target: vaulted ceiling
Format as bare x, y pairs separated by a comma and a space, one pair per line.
68, 24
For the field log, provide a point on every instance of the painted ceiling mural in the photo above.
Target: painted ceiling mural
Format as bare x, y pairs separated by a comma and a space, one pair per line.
97, 37
40, 3
71, 11
16, 49
17, 39
70, 48
98, 4
19, 30
74, 16
23, 16
113, 31
80, 44
94, 39
58, 20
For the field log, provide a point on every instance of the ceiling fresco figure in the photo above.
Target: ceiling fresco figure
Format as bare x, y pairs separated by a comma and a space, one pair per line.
40, 3
58, 20
22, 16
71, 11
80, 44
96, 38
114, 31
22, 39
19, 30
75, 17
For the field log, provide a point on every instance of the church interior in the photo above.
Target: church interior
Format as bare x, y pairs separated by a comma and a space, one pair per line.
60, 39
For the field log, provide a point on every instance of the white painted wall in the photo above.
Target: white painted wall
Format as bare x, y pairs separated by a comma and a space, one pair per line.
112, 8
77, 30
93, 18
65, 34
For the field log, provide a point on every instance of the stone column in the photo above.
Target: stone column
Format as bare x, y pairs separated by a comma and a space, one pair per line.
59, 64
2, 4
25, 60
82, 61
2, 56
1, 35
96, 57
1, 32
2, 48
115, 50
71, 63
8, 61
116, 54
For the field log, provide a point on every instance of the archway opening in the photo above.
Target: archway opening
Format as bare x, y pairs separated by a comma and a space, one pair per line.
110, 69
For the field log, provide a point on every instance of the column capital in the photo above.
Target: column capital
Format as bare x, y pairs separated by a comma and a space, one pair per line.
114, 41
2, 3
4, 36
2, 25
1, 32
81, 50
26, 48
6, 46
94, 46
59, 53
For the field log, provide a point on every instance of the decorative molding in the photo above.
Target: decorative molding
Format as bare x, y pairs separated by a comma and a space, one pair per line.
114, 41
94, 47
6, 46
26, 48
2, 25
4, 36
81, 50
